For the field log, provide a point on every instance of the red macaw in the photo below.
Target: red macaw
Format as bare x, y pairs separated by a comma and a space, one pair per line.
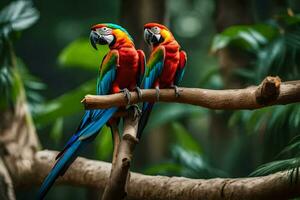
165, 67
121, 70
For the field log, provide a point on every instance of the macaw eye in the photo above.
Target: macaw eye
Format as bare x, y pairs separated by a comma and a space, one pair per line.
104, 31
155, 30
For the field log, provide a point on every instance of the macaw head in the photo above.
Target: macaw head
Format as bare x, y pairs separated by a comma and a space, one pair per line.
109, 34
155, 34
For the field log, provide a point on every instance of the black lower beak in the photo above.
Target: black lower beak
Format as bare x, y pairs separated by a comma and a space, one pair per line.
95, 39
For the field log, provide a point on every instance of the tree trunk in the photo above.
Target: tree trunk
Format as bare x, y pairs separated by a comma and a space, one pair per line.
18, 139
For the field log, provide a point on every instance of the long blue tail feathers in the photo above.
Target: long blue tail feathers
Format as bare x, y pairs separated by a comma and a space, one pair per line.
77, 142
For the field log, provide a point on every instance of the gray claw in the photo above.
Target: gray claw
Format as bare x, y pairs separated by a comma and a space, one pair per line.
139, 92
127, 94
177, 94
136, 111
157, 93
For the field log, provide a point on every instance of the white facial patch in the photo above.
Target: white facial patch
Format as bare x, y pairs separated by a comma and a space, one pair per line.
104, 31
108, 38
155, 30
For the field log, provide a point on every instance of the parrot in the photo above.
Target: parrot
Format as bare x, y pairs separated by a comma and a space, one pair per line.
164, 69
121, 70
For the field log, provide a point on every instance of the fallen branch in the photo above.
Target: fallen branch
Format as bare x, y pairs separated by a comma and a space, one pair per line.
120, 175
89, 173
270, 92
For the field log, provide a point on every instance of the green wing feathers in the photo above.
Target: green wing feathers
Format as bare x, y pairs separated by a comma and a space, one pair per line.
110, 61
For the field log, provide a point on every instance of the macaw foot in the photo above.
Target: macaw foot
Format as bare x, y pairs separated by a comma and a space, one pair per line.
176, 89
127, 94
136, 111
139, 92
157, 93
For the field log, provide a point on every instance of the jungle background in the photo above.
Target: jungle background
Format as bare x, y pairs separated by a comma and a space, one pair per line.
45, 54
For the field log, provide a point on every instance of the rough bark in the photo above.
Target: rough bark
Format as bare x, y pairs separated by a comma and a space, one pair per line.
120, 175
18, 141
270, 92
94, 174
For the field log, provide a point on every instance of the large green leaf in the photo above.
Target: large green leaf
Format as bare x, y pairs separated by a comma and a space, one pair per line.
247, 37
275, 166
184, 139
17, 16
65, 105
81, 54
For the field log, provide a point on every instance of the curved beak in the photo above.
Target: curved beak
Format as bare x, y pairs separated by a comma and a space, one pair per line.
95, 39
148, 35
152, 38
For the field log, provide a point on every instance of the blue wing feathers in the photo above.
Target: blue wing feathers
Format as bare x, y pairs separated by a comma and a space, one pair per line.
61, 165
104, 86
179, 75
153, 75
77, 142
91, 123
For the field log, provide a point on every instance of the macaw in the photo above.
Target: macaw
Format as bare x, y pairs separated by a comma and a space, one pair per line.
121, 70
165, 67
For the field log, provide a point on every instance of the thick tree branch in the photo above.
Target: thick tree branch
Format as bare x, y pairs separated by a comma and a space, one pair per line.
89, 173
119, 177
270, 92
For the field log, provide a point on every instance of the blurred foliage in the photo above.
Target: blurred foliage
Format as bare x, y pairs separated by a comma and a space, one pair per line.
64, 105
104, 144
275, 45
187, 158
15, 17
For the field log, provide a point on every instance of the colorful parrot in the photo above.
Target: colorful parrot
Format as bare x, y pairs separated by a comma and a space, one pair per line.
165, 67
121, 70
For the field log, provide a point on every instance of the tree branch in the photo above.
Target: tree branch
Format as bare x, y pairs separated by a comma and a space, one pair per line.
89, 173
270, 92
119, 177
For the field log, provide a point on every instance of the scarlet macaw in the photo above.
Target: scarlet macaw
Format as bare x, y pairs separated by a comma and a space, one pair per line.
121, 70
165, 67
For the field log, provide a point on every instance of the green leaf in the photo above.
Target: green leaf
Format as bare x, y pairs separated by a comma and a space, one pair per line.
17, 16
81, 54
184, 139
247, 37
193, 164
65, 105
166, 169
276, 166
